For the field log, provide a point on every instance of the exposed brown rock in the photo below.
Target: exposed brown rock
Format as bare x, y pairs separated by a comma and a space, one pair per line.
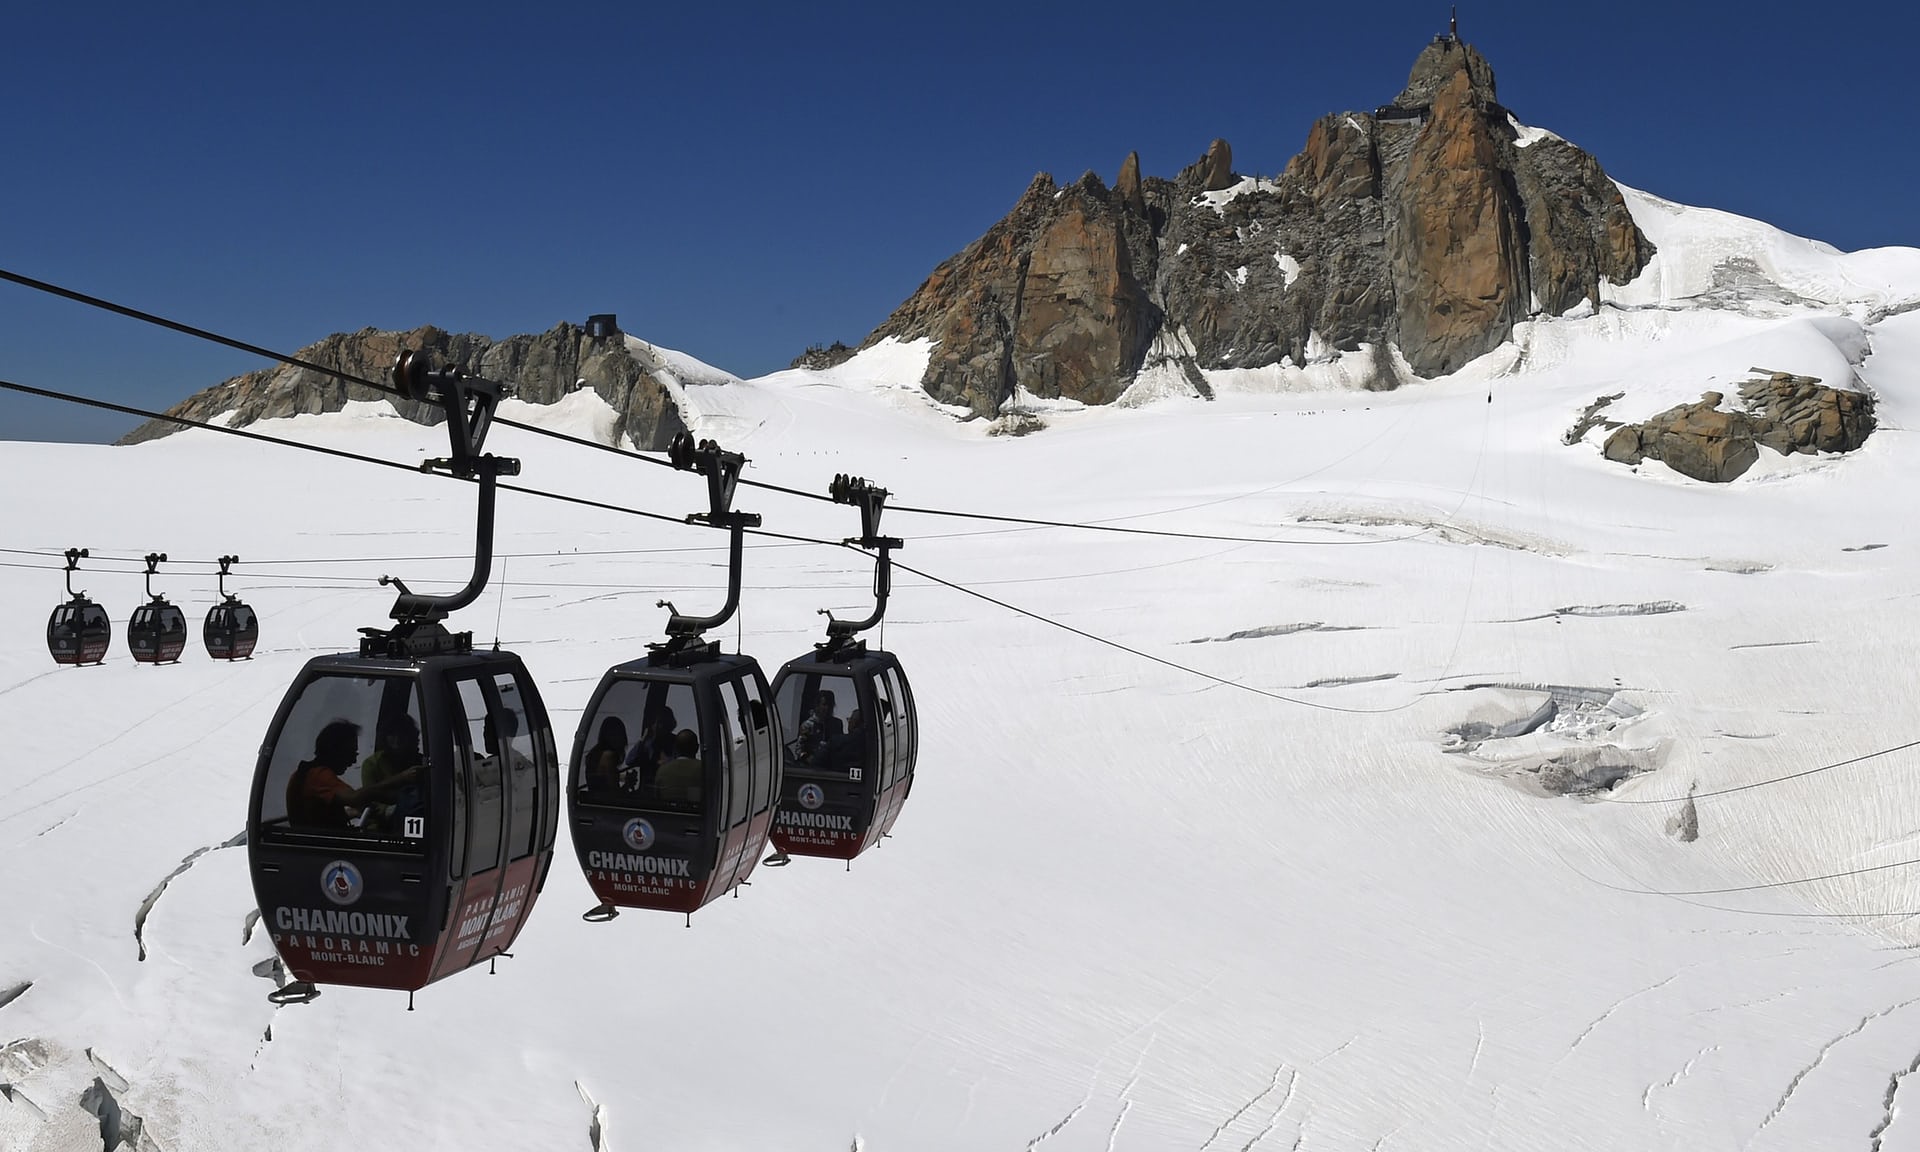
1083, 322
1128, 185
1459, 270
1580, 231
1437, 65
1784, 412
1212, 172
1219, 167
542, 368
1431, 231
1338, 162
1048, 300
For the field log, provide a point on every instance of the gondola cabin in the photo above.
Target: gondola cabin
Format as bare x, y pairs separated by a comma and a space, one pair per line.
157, 634
673, 780
847, 764
79, 632
231, 631
403, 816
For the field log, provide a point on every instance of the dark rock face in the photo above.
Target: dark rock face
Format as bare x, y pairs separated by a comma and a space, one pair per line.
818, 357
1459, 253
1050, 299
542, 368
1579, 229
1431, 230
1784, 412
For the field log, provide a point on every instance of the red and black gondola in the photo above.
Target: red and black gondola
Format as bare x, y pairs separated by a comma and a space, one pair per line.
406, 798
848, 766
79, 631
232, 629
853, 733
157, 634
676, 766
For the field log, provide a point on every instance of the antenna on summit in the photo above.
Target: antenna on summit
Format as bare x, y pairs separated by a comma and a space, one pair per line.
1453, 23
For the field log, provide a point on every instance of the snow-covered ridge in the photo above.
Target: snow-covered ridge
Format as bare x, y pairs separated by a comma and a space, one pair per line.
1704, 255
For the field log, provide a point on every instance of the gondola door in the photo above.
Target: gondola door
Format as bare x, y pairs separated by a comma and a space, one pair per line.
500, 826
746, 743
898, 734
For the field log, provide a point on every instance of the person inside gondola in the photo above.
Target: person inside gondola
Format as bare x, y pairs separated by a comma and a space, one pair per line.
678, 780
818, 731
396, 752
317, 794
846, 752
602, 772
655, 747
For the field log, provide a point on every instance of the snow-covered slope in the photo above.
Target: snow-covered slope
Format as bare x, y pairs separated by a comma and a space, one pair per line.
1128, 908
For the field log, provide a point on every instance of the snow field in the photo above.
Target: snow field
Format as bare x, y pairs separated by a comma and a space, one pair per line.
1128, 907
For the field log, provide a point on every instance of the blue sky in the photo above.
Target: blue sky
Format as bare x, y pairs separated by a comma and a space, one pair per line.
742, 180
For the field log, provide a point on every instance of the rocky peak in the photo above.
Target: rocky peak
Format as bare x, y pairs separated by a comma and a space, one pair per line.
1212, 172
542, 368
1437, 65
1431, 226
1128, 184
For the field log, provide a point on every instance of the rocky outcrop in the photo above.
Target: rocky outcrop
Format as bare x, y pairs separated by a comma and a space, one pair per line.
1049, 300
1579, 230
1799, 414
542, 368
1697, 440
1784, 412
818, 357
1459, 251
1432, 228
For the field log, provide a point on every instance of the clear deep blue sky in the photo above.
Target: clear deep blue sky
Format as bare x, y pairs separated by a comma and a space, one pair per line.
742, 180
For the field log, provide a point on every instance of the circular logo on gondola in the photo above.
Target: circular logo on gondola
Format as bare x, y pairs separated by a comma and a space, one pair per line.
812, 796
341, 882
638, 834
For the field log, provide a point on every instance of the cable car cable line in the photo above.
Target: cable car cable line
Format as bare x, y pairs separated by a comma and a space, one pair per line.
953, 585
1683, 897
1861, 871
1764, 783
391, 390
605, 506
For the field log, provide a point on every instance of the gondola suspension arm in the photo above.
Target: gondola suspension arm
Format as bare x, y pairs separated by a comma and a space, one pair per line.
154, 560
468, 403
74, 556
722, 470
871, 500
226, 562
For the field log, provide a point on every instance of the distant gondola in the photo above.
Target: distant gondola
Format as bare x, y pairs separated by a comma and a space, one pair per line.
676, 768
231, 629
157, 634
406, 797
79, 630
847, 764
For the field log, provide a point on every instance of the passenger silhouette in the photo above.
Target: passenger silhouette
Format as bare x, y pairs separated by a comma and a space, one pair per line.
602, 769
818, 730
654, 746
317, 794
396, 754
848, 752
679, 779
